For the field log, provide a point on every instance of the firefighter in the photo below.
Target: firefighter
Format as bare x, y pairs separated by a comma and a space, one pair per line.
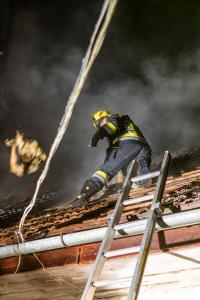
126, 142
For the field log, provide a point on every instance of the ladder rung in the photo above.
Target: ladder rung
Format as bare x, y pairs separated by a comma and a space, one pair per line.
133, 282
101, 283
145, 176
122, 251
138, 199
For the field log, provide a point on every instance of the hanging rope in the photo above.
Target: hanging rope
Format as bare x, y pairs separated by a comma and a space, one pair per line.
12, 116
95, 44
52, 275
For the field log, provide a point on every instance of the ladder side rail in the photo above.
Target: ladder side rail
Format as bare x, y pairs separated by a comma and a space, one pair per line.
116, 215
146, 241
89, 290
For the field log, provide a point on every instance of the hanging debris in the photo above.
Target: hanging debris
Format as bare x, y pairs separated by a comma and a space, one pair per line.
26, 155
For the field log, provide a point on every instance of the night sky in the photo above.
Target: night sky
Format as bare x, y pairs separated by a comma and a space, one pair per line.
149, 67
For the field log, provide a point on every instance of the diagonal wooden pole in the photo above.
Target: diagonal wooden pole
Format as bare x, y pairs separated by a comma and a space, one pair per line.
95, 44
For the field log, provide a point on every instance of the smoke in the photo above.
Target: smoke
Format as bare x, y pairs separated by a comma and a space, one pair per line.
166, 108
134, 74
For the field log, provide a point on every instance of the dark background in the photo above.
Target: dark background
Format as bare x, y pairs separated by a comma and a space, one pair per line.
149, 67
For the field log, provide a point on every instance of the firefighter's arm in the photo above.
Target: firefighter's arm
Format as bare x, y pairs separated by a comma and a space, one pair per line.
111, 127
108, 129
100, 134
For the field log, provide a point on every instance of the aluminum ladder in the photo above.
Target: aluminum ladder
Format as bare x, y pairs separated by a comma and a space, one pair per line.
104, 251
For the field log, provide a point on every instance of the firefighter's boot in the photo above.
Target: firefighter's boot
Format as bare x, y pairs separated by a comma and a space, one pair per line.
88, 190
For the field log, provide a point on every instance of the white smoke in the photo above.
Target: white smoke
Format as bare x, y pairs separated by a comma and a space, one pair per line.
42, 67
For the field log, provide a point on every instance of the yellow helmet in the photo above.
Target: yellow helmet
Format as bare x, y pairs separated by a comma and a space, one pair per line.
97, 116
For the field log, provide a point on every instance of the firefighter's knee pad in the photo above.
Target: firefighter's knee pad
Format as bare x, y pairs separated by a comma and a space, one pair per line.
90, 188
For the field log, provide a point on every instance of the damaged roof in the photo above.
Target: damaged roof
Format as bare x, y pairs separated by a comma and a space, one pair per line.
181, 193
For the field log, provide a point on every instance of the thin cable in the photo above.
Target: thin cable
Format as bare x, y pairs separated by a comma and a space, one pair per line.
92, 52
43, 267
19, 253
19, 259
12, 116
53, 275
19, 126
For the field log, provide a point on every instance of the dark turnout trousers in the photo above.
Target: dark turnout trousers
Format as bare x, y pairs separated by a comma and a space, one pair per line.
118, 158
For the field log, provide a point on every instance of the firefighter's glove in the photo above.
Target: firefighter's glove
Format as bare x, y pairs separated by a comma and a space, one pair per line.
94, 140
97, 136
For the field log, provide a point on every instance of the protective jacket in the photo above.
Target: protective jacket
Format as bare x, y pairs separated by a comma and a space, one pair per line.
118, 129
126, 142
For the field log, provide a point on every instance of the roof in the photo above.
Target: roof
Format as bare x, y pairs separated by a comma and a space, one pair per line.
181, 193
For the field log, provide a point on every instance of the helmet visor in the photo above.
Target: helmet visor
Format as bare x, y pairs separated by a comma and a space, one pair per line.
96, 123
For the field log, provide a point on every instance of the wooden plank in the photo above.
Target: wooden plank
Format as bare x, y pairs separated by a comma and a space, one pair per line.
178, 278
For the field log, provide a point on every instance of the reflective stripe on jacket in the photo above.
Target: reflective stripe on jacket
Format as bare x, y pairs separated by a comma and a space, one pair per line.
121, 128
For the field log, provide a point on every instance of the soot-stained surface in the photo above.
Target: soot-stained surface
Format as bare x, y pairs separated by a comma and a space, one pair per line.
182, 193
12, 209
